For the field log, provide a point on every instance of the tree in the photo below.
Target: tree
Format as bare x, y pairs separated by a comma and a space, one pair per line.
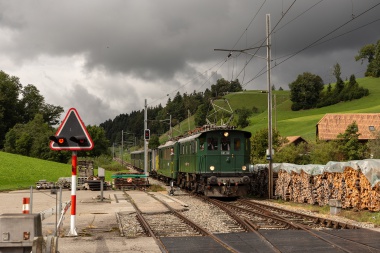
31, 102
339, 86
374, 146
154, 142
243, 115
10, 88
200, 115
176, 108
101, 143
223, 86
235, 86
353, 91
21, 105
51, 113
32, 139
322, 152
370, 52
349, 146
305, 91
297, 154
259, 144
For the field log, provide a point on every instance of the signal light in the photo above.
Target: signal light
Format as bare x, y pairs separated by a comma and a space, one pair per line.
61, 141
81, 140
147, 134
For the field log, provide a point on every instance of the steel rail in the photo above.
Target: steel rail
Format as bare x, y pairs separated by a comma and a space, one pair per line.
145, 225
259, 214
196, 226
316, 220
309, 230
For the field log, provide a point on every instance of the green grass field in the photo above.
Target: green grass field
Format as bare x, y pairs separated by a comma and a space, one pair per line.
20, 172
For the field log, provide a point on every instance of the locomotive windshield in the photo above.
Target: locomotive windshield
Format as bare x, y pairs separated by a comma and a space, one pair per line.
225, 143
212, 144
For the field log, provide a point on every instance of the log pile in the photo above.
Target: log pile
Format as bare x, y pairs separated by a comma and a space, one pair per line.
351, 187
260, 183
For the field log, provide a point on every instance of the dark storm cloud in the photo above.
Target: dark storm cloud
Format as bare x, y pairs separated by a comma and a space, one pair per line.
89, 106
132, 50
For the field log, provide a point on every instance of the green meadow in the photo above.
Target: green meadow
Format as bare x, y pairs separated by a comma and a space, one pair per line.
301, 123
20, 172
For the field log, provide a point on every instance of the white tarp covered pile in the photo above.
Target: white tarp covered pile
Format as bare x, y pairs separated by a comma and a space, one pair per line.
369, 167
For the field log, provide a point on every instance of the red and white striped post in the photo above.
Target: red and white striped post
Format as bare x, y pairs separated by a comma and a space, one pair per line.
25, 205
73, 231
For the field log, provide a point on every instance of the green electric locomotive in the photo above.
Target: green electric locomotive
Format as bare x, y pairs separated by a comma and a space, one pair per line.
214, 162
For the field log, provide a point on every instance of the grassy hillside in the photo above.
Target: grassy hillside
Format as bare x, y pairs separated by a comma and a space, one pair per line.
21, 172
303, 123
286, 121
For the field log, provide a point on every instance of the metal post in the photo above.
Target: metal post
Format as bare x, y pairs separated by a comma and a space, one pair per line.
59, 208
122, 142
270, 174
145, 141
170, 123
56, 215
101, 189
31, 199
73, 231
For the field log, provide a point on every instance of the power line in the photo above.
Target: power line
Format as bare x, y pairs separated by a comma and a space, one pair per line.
221, 62
311, 7
262, 43
318, 40
340, 35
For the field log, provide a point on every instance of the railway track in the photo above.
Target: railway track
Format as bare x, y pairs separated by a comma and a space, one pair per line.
264, 231
277, 218
172, 224
295, 217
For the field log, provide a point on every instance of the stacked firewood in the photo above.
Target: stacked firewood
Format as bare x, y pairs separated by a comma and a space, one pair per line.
351, 187
260, 183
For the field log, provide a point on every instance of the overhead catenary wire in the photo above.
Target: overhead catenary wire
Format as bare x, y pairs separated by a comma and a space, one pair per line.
263, 41
275, 29
316, 41
222, 62
335, 37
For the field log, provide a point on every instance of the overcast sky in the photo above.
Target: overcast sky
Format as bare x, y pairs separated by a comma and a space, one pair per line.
104, 58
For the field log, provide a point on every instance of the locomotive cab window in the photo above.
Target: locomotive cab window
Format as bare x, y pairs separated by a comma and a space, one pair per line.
237, 144
225, 144
201, 142
212, 144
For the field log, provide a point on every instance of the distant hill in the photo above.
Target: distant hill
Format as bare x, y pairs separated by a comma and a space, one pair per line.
288, 122
303, 123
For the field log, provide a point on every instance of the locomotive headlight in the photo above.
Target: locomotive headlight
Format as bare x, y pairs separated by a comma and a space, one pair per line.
212, 168
225, 134
244, 168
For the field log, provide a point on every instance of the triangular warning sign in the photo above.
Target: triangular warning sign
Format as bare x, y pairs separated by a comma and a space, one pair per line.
71, 134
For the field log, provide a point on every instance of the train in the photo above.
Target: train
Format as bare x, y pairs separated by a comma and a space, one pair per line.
213, 161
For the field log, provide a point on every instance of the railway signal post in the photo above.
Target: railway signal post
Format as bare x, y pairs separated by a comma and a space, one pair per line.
72, 135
